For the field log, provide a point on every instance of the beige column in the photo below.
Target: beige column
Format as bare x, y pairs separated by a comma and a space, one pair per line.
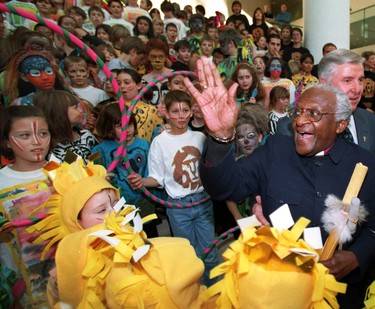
326, 21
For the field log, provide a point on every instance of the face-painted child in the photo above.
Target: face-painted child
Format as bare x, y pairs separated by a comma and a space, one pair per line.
38, 71
157, 59
247, 138
178, 115
28, 138
78, 74
128, 86
275, 69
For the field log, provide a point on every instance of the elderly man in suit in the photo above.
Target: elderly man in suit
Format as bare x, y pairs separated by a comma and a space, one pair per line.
300, 171
344, 69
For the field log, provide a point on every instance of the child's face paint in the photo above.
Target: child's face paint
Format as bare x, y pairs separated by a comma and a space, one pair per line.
247, 139
42, 79
128, 87
29, 139
179, 114
37, 70
275, 69
97, 206
78, 74
157, 59
34, 126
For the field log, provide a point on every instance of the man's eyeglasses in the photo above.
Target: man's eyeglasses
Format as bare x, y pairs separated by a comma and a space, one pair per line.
312, 115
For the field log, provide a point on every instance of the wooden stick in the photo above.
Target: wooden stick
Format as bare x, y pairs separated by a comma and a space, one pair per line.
352, 190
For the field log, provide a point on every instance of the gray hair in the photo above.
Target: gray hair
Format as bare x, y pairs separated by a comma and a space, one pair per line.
343, 109
329, 63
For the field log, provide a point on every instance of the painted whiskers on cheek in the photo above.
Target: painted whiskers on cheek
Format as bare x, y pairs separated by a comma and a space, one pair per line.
129, 88
17, 144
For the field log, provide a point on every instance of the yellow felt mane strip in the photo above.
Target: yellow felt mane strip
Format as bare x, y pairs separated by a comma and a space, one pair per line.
260, 259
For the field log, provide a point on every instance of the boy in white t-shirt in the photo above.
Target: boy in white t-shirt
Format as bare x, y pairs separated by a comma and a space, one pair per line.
116, 8
173, 163
78, 73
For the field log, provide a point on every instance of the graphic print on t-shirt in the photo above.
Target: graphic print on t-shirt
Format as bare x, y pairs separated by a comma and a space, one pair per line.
185, 165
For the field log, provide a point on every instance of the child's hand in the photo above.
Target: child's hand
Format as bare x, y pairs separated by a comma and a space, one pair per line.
90, 123
164, 127
135, 181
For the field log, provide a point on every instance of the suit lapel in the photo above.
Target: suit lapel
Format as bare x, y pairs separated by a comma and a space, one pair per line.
361, 126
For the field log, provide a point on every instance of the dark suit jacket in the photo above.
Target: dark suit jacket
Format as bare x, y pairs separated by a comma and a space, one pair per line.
365, 125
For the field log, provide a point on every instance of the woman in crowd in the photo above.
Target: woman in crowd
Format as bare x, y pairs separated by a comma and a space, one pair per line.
250, 89
259, 27
304, 78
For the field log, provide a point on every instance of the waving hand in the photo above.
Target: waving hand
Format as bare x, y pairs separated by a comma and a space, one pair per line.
218, 105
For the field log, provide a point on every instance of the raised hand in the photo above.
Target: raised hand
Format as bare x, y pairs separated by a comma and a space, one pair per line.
219, 106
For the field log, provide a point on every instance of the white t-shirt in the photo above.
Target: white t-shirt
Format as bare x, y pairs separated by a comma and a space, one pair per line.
173, 162
9, 177
91, 94
131, 13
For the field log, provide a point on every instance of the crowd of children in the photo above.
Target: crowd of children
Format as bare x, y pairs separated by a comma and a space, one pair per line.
58, 105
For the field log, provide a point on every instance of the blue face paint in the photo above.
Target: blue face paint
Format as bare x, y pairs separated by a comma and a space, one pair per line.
275, 66
33, 63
